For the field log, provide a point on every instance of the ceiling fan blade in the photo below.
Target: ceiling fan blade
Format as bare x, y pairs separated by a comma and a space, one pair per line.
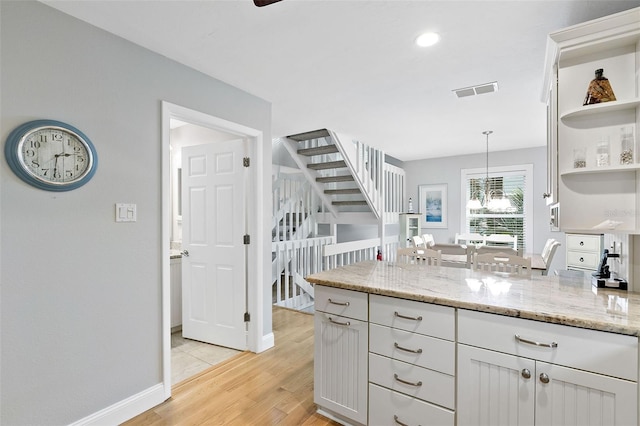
261, 3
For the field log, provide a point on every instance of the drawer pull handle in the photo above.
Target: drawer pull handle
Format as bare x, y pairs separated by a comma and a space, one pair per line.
345, 324
406, 317
531, 342
544, 378
413, 351
581, 243
395, 376
339, 303
582, 259
395, 419
398, 422
526, 373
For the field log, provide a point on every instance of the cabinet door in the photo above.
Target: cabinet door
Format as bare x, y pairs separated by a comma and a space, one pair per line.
494, 388
340, 366
573, 397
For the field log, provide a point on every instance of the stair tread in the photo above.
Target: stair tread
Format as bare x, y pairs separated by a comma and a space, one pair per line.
350, 203
327, 165
318, 150
314, 134
343, 178
342, 191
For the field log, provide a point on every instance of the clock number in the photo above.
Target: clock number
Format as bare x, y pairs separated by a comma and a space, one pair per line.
43, 138
76, 148
45, 171
68, 174
35, 164
56, 174
30, 153
35, 144
80, 159
56, 136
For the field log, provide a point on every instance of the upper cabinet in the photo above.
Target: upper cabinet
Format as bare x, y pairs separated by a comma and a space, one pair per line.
593, 167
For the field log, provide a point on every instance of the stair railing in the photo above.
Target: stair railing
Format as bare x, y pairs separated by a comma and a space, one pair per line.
294, 205
292, 261
347, 253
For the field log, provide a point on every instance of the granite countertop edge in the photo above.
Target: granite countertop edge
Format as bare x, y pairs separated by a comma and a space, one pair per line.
616, 323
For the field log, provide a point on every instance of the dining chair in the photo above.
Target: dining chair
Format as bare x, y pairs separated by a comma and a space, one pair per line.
502, 262
454, 255
547, 253
418, 242
420, 256
502, 240
428, 240
495, 249
469, 238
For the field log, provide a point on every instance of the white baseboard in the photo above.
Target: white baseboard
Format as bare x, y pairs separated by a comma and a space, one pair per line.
125, 409
267, 342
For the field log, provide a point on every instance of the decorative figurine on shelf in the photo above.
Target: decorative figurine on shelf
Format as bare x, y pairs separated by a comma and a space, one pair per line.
379, 255
410, 205
599, 90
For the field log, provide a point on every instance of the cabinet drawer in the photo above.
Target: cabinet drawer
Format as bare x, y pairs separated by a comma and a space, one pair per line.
591, 243
338, 301
387, 407
418, 382
608, 353
424, 351
409, 315
583, 260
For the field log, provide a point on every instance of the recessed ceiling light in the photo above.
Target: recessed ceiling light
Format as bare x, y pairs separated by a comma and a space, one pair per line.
427, 39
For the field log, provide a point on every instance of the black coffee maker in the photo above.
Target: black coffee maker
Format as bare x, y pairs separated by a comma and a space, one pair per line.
602, 277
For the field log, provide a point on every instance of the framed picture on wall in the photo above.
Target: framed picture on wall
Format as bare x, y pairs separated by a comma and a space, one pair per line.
433, 205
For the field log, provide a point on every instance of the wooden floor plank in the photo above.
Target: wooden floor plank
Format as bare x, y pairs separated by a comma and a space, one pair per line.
271, 388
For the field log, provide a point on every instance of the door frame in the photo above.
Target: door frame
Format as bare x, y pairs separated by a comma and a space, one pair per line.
257, 340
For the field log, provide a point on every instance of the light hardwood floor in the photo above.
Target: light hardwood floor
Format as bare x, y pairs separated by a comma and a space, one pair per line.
271, 388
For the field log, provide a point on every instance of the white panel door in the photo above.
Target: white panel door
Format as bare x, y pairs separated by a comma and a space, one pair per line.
565, 396
494, 389
213, 225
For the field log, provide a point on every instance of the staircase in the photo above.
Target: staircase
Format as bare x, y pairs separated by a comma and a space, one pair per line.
343, 174
337, 180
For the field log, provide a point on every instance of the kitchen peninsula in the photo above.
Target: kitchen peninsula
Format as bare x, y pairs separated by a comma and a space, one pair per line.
403, 344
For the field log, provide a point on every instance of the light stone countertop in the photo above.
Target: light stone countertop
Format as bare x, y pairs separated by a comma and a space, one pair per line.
551, 299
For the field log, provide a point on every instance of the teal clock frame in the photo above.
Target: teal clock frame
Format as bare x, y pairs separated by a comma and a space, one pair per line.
12, 155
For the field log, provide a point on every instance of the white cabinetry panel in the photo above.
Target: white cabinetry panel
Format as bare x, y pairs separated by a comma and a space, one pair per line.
387, 407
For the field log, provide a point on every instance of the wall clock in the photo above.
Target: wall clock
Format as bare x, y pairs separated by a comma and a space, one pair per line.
51, 155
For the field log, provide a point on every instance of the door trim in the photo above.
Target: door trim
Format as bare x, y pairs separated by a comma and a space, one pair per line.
257, 339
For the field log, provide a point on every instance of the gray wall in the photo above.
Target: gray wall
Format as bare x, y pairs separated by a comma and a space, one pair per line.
447, 170
81, 295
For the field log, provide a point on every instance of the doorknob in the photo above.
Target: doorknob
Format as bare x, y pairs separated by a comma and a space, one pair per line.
544, 378
526, 373
185, 253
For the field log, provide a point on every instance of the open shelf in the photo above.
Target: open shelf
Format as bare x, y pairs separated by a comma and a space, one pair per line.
607, 169
604, 107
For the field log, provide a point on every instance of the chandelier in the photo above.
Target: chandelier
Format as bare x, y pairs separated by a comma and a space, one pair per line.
491, 199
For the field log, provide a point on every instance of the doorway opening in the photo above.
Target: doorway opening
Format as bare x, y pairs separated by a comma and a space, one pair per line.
209, 131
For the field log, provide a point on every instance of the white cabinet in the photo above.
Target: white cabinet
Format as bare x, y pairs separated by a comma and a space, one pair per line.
340, 354
411, 362
584, 251
409, 228
519, 372
589, 191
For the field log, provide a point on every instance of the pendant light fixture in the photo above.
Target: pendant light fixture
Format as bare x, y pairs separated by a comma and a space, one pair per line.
491, 199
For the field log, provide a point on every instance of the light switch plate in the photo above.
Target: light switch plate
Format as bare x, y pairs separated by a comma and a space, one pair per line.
126, 212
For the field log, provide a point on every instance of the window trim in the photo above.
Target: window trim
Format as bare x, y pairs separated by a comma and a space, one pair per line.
497, 171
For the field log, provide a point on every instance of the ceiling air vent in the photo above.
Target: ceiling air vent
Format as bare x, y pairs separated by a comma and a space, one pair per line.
477, 90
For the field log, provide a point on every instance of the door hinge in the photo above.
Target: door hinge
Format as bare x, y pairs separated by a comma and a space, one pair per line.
246, 239
247, 317
246, 162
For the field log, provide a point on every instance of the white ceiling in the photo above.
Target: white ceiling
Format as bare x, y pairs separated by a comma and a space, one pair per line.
353, 67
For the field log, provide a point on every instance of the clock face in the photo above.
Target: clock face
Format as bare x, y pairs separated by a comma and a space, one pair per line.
51, 155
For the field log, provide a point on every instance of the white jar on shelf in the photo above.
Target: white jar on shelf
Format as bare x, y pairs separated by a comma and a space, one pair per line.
626, 145
602, 153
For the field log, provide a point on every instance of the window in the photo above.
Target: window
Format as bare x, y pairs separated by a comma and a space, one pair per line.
512, 183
